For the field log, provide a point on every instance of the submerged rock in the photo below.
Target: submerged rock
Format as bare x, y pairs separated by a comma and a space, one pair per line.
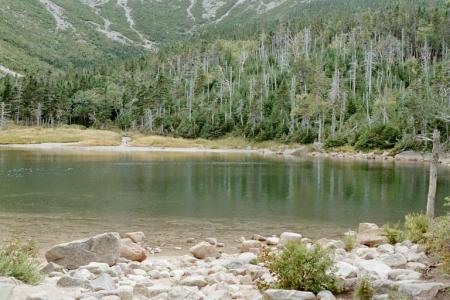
212, 241
100, 248
137, 237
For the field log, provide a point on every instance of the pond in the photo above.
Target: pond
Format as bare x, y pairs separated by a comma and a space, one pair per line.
53, 196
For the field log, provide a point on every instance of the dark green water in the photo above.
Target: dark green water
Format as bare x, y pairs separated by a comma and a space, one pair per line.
269, 191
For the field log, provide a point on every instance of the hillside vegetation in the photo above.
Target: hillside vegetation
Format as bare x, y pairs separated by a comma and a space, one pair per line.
55, 34
371, 78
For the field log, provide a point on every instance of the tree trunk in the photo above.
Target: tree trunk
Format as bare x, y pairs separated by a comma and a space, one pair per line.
433, 174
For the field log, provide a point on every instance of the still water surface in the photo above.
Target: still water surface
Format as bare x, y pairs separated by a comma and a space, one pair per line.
52, 196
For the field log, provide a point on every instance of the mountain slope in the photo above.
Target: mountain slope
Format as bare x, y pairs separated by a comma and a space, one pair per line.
49, 34
54, 34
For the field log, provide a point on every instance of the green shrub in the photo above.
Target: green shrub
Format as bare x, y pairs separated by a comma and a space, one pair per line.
410, 142
338, 141
393, 234
301, 269
19, 260
447, 203
380, 137
438, 242
416, 227
364, 289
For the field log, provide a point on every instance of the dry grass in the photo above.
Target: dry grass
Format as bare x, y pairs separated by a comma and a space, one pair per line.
33, 135
93, 137
223, 143
343, 149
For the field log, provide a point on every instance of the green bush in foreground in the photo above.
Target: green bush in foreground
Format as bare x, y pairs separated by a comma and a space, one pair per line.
393, 234
416, 227
298, 268
18, 260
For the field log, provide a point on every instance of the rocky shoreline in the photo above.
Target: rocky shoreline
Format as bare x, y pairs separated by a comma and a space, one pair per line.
406, 156
113, 267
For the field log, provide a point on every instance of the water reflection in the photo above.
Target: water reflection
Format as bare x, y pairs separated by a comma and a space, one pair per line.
214, 186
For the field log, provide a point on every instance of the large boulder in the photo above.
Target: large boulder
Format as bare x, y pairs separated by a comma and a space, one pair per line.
247, 245
370, 234
273, 294
346, 270
286, 237
373, 268
203, 250
394, 260
331, 244
7, 285
132, 251
404, 274
100, 248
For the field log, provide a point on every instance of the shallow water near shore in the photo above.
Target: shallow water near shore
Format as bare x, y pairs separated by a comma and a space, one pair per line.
53, 196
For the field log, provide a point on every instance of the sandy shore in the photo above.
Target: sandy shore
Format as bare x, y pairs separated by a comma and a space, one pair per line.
124, 148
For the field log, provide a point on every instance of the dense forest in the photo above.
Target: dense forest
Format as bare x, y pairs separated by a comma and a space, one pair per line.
372, 78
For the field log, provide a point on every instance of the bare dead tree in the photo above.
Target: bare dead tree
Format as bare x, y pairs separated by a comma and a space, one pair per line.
433, 174
292, 99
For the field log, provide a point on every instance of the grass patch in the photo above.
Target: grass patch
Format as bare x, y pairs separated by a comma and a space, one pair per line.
94, 137
350, 241
222, 143
18, 260
364, 290
438, 243
393, 233
416, 227
34, 135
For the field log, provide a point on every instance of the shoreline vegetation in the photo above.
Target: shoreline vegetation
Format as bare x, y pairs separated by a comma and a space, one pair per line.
79, 138
370, 263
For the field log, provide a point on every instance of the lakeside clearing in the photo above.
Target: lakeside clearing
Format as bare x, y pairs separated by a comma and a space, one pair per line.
96, 137
79, 138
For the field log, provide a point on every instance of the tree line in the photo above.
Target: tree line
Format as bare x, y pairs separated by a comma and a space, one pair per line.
372, 79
